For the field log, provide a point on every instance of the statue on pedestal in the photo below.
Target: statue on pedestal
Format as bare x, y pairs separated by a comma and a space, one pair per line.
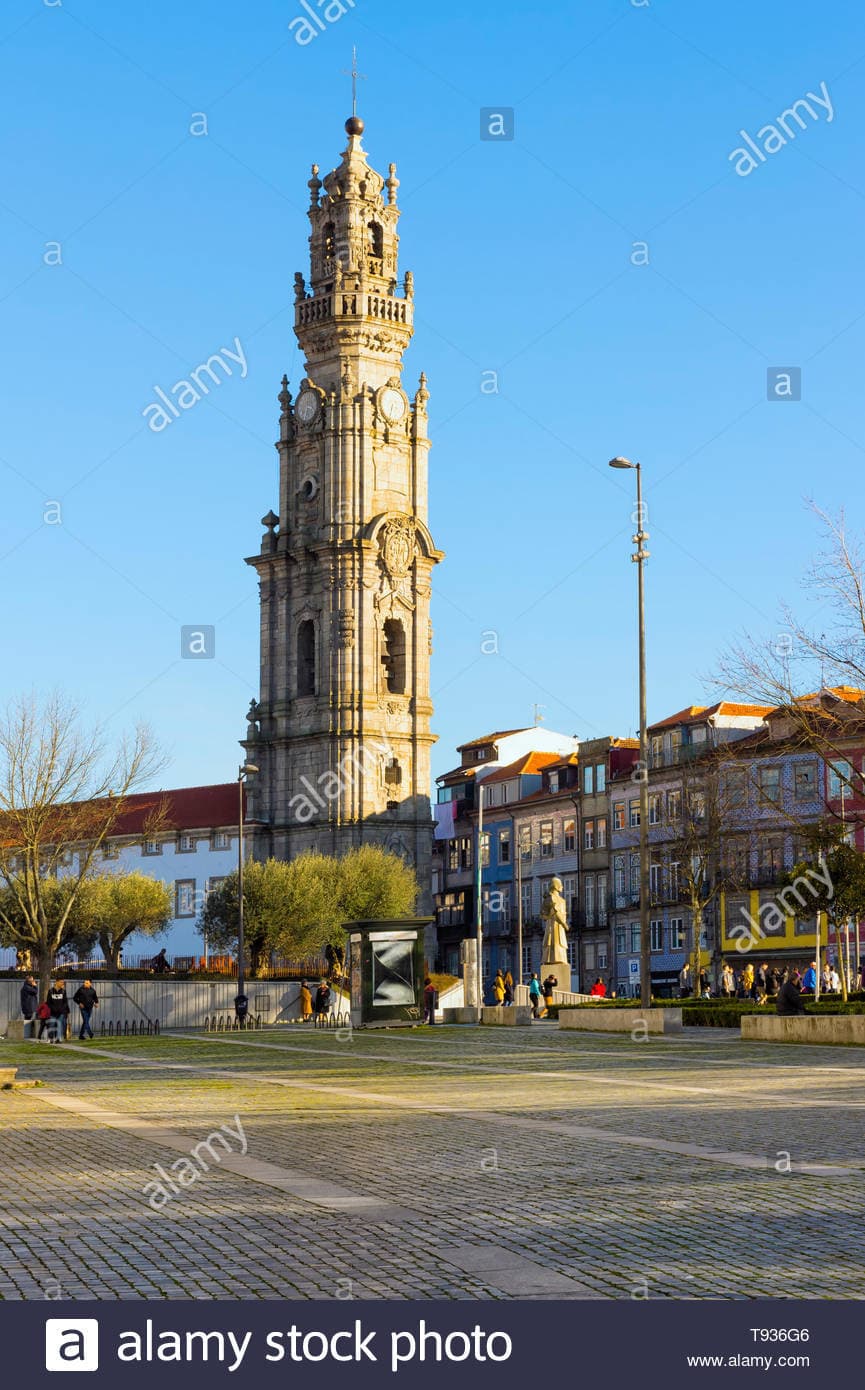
555, 915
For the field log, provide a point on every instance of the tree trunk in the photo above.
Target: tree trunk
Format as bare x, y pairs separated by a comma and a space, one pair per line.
111, 951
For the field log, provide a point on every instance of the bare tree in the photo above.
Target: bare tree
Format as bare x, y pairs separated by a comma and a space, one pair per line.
63, 788
823, 655
695, 823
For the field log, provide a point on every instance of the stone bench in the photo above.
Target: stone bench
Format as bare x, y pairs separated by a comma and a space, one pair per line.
7, 1075
507, 1015
804, 1028
20, 1029
605, 1020
500, 1015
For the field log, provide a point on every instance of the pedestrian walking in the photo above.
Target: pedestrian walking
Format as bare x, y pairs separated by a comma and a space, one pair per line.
535, 995
241, 1009
429, 1001
499, 988
809, 979
685, 981
58, 1008
549, 987
747, 986
305, 998
598, 990
87, 1000
705, 992
834, 981
43, 1013
29, 998
509, 987
728, 983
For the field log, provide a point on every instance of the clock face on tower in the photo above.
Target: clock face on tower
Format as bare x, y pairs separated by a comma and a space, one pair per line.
391, 403
307, 407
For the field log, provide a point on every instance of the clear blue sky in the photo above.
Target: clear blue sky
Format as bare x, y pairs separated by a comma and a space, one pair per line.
174, 245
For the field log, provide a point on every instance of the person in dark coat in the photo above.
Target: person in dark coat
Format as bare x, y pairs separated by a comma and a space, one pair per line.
86, 998
29, 998
429, 1001
58, 1007
322, 999
241, 1009
790, 999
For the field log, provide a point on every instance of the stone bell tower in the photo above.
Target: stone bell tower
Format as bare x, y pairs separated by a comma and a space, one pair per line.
341, 731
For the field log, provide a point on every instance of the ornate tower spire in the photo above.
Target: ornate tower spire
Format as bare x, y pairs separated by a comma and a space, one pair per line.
355, 306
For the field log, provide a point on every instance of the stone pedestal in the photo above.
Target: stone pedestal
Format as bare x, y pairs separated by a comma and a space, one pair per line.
469, 962
19, 1029
562, 972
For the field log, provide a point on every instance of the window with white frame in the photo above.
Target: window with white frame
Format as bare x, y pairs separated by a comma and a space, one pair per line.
587, 781
769, 785
677, 934
485, 849
618, 815
554, 781
589, 954
600, 832
505, 846
527, 960
655, 879
840, 776
602, 897
220, 839
569, 836
213, 883
546, 839
621, 939
184, 897
600, 777
635, 937
635, 876
526, 895
185, 844
805, 781
110, 850
656, 808
602, 955
588, 834
589, 899
633, 814
656, 930
569, 892
152, 847
526, 841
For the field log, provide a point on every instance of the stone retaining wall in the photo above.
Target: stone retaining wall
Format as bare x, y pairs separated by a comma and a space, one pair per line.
804, 1028
604, 1020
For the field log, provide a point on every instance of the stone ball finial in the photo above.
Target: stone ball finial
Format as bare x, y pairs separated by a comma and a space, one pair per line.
354, 126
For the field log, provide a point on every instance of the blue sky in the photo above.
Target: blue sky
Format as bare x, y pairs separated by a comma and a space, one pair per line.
172, 245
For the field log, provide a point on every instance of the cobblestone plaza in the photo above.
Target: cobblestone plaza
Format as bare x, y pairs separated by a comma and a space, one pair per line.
434, 1164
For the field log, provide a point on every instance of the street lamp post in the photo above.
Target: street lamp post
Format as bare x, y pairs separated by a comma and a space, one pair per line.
479, 910
639, 558
243, 772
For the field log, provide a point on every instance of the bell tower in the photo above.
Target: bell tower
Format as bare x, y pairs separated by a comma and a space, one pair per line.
341, 730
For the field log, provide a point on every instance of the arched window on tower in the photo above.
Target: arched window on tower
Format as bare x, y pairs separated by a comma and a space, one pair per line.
393, 657
329, 240
375, 240
306, 658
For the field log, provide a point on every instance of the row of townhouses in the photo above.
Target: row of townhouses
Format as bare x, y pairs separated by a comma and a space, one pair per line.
732, 792
733, 789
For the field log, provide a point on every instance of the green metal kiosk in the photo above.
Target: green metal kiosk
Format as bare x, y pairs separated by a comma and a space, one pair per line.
386, 967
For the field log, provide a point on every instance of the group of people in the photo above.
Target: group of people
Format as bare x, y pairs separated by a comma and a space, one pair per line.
765, 981
52, 1014
541, 992
320, 1005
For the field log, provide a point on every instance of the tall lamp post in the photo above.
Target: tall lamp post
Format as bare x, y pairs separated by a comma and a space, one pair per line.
639, 558
243, 772
479, 907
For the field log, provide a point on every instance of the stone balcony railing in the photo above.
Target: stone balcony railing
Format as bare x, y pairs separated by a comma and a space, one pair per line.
353, 304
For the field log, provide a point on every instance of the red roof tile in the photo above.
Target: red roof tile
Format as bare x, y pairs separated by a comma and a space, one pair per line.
185, 808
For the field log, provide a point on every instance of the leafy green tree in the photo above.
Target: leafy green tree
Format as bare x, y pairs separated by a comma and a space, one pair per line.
110, 907
299, 906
